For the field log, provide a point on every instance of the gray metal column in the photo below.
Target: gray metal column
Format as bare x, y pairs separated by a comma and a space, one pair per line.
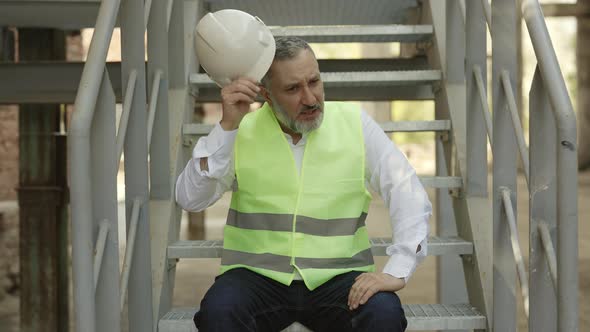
182, 61
451, 279
543, 188
136, 165
157, 48
104, 194
504, 58
477, 156
161, 183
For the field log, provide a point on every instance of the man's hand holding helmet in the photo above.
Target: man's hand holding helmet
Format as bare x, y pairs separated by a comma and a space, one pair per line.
236, 98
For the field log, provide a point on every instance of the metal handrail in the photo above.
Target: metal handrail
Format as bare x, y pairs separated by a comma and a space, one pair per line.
81, 189
524, 153
129, 92
484, 102
103, 231
567, 168
152, 106
522, 275
128, 260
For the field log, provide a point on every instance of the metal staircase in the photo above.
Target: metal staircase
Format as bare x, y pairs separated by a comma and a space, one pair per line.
473, 240
353, 80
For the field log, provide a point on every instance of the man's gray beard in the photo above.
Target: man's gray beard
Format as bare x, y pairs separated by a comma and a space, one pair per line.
300, 127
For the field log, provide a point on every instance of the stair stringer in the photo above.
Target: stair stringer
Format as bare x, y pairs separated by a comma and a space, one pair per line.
473, 214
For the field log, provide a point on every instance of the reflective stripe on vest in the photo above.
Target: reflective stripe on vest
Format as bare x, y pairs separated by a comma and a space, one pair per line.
313, 220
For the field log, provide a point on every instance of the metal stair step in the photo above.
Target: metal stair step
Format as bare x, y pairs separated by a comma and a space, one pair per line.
57, 81
212, 248
358, 85
78, 14
388, 127
354, 79
355, 33
419, 316
325, 12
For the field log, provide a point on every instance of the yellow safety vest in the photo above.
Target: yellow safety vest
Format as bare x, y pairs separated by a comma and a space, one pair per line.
280, 220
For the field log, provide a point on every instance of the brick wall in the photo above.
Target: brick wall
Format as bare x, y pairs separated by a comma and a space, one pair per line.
8, 152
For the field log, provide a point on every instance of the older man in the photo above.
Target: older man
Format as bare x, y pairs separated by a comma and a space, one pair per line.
295, 243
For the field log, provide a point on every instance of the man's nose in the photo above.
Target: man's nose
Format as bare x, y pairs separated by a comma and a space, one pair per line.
308, 97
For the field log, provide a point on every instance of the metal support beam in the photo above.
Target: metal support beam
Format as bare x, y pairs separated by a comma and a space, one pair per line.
64, 14
476, 86
42, 195
451, 277
504, 174
543, 208
136, 165
159, 150
48, 82
103, 175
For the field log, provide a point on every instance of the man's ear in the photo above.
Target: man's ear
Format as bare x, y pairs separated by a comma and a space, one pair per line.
265, 94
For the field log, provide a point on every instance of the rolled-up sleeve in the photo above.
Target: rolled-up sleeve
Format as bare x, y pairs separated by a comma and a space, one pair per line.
390, 174
197, 189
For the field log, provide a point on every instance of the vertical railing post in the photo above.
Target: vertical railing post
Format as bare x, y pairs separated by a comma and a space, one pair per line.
182, 61
567, 167
161, 181
504, 173
104, 194
542, 205
477, 157
451, 279
80, 167
136, 165
159, 148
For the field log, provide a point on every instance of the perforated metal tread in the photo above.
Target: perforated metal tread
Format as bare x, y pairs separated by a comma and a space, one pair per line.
354, 79
212, 249
325, 12
388, 127
355, 33
420, 317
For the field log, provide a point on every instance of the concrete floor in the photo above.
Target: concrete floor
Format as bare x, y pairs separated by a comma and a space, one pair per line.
194, 277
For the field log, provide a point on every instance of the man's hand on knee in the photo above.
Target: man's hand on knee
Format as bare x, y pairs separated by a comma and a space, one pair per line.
368, 284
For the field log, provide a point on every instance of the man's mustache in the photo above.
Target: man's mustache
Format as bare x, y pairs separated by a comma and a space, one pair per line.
310, 107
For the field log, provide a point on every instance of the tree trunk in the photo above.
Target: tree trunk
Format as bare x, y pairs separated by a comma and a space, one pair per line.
583, 95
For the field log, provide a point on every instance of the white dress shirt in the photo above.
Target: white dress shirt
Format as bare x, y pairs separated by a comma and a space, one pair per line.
387, 173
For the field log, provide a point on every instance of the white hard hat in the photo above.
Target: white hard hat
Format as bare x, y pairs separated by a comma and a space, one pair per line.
231, 43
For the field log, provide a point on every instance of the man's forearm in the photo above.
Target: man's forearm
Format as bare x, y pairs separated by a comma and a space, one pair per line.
195, 192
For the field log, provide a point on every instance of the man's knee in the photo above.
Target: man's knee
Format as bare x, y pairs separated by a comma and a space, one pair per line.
215, 314
225, 301
383, 311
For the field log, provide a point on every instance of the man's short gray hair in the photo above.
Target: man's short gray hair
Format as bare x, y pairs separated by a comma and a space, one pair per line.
286, 48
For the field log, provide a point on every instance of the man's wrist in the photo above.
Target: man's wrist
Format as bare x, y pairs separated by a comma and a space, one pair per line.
229, 125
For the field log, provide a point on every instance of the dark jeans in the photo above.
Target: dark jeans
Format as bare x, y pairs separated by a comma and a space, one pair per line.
242, 300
